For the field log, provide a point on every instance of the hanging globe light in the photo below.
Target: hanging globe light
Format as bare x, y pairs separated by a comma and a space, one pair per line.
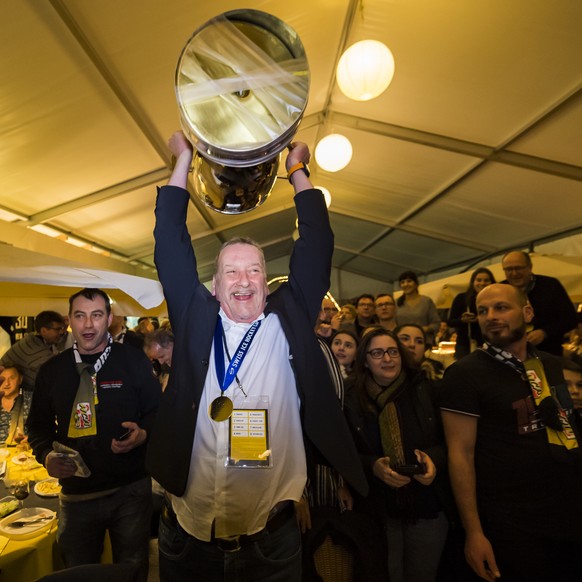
333, 152
365, 70
326, 195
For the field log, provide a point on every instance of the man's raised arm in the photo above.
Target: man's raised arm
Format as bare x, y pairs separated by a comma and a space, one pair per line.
296, 163
181, 149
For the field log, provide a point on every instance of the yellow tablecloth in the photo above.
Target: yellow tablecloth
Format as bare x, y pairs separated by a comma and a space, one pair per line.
27, 560
30, 470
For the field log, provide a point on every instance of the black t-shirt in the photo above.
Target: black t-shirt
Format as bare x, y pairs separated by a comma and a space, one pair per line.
520, 479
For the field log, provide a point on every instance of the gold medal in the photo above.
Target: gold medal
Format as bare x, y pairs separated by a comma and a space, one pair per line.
220, 409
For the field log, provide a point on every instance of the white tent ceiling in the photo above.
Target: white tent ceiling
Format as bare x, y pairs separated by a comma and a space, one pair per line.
475, 148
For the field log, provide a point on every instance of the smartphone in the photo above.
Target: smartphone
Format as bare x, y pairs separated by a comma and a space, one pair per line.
410, 470
124, 435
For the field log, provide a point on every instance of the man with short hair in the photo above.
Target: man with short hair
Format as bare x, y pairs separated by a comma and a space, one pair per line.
329, 308
514, 453
553, 312
365, 310
117, 329
249, 390
385, 307
325, 321
96, 401
34, 349
159, 347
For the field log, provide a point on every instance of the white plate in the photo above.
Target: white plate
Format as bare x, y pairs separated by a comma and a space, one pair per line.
4, 453
27, 531
38, 488
20, 459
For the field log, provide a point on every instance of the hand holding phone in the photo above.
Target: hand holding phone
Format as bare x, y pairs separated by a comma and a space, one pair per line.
410, 470
132, 436
123, 436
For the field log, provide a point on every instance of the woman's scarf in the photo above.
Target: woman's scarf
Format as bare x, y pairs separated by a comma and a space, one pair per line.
392, 436
388, 421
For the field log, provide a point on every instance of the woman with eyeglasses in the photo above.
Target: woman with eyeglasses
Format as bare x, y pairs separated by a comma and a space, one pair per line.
398, 433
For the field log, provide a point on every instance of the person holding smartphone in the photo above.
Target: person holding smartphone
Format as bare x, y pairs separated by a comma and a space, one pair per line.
401, 444
463, 313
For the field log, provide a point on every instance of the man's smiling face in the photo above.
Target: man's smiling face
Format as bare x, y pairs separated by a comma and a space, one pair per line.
240, 282
89, 322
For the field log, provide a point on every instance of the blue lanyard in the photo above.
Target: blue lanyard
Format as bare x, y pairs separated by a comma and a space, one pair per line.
225, 379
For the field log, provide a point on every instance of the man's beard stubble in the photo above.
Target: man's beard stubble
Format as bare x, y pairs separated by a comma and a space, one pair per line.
514, 336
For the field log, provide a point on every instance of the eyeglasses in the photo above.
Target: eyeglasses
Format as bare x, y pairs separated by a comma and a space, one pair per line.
378, 353
58, 328
365, 305
385, 304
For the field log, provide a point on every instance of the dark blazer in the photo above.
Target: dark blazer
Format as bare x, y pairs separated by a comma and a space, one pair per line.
553, 311
193, 311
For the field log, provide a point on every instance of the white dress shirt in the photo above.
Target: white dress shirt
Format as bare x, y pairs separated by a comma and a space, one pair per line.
238, 500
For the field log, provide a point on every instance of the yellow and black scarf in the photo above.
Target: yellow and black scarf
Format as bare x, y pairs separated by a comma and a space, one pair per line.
555, 418
83, 420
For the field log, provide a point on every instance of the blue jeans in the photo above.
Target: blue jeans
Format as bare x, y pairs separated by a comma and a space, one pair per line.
414, 550
271, 556
125, 513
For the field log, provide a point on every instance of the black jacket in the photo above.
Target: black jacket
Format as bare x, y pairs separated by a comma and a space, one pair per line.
364, 425
127, 390
553, 312
193, 312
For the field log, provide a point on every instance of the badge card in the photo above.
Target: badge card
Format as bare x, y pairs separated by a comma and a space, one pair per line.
249, 439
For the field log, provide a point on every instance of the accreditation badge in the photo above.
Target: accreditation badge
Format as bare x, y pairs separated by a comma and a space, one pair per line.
249, 443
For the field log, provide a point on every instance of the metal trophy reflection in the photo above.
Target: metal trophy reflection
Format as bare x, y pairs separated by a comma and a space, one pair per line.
242, 83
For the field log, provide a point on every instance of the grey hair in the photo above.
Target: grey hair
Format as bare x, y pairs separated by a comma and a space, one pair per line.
241, 240
163, 337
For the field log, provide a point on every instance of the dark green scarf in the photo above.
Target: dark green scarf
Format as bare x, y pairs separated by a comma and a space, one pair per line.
391, 435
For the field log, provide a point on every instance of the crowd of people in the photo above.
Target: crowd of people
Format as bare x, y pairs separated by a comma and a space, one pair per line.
271, 422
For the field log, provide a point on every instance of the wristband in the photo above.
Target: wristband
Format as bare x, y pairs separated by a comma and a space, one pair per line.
298, 166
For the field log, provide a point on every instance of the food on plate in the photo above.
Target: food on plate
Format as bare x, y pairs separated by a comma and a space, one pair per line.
7, 507
48, 488
20, 459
